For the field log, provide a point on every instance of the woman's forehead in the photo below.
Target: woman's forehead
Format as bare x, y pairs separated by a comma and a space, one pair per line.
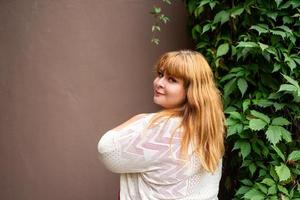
172, 75
166, 71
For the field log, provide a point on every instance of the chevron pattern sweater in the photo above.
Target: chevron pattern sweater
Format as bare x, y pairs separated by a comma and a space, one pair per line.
150, 168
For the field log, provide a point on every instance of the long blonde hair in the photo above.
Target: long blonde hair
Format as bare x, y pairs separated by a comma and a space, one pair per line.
202, 112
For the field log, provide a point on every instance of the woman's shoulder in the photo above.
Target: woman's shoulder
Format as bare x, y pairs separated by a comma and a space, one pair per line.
152, 117
143, 116
141, 119
154, 121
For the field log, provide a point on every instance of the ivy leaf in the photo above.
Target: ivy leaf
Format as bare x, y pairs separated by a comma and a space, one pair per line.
246, 104
290, 62
262, 173
164, 18
252, 168
273, 173
295, 3
287, 20
285, 5
222, 16
287, 87
246, 182
260, 116
279, 33
278, 106
292, 81
155, 28
254, 194
206, 27
235, 115
262, 102
155, 41
286, 135
226, 77
283, 172
296, 58
272, 190
236, 11
272, 15
242, 85
213, 4
198, 11
268, 181
272, 51
244, 147
286, 29
263, 46
260, 28
274, 96
201, 45
191, 6
156, 10
273, 134
277, 67
257, 124
247, 44
222, 49
279, 152
236, 69
232, 130
262, 188
256, 148
229, 87
196, 30
167, 1
282, 189
295, 155
278, 2
280, 121
242, 190
202, 3
230, 122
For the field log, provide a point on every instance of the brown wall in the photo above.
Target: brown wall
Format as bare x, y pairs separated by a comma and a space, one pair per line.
69, 71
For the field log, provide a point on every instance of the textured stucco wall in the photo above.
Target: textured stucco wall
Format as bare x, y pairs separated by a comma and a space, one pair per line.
69, 71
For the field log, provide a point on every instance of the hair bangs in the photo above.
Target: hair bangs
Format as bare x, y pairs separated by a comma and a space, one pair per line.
173, 65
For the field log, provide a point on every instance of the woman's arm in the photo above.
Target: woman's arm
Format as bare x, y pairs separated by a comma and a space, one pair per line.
135, 149
131, 120
116, 145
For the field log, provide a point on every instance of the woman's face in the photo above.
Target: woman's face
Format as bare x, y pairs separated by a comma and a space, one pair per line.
169, 91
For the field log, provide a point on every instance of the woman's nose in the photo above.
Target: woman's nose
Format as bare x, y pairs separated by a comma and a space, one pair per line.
160, 82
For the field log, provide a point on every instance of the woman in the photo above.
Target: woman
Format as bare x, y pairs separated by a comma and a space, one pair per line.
177, 152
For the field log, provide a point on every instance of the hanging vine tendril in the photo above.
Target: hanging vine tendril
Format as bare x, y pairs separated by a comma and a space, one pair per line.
160, 18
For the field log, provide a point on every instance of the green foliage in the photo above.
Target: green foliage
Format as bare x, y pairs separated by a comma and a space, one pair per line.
253, 48
160, 18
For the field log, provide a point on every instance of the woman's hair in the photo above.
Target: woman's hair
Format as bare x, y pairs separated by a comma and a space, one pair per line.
202, 113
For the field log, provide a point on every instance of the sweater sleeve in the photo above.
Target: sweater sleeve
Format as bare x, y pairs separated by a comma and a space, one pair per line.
121, 151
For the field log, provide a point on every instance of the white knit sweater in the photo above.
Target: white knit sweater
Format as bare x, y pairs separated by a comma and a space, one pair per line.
150, 168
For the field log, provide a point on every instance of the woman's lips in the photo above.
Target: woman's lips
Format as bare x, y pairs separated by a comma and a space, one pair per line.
157, 93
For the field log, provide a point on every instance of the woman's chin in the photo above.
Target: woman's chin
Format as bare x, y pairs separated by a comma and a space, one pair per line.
157, 103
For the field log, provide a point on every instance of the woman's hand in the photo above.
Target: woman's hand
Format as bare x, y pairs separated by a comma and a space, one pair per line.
131, 120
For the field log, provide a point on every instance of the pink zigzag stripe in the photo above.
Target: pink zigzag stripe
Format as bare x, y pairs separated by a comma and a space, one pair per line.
177, 188
177, 171
132, 156
164, 192
134, 147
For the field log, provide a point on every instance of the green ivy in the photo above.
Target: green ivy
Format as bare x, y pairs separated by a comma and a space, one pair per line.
160, 18
253, 48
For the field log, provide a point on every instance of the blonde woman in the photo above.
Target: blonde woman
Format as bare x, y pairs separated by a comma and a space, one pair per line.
177, 152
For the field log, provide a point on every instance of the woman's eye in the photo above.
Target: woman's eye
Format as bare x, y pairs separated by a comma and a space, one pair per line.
172, 79
160, 74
